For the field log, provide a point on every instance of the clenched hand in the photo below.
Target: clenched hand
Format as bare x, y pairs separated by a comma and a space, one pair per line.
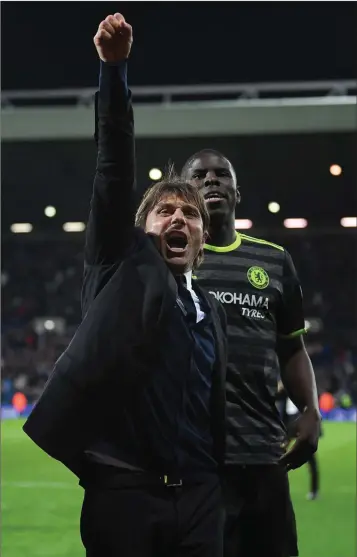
306, 431
113, 39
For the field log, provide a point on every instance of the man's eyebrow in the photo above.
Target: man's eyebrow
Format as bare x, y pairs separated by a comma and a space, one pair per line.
185, 205
165, 204
191, 206
213, 168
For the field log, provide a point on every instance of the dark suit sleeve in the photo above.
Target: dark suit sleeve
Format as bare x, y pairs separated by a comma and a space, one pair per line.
111, 220
96, 117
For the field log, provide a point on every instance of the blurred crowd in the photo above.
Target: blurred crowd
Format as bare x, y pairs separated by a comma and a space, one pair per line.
41, 279
41, 285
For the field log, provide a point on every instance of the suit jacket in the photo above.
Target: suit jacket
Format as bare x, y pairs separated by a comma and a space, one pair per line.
128, 296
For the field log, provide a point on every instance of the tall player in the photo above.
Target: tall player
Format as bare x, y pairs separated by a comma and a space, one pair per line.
258, 285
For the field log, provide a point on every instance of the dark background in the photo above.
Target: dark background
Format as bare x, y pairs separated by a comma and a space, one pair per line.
293, 170
48, 44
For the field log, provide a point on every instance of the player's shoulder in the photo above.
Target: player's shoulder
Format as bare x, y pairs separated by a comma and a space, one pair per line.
247, 240
246, 246
277, 253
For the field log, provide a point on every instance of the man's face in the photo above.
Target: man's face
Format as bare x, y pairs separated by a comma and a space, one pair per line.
215, 178
178, 225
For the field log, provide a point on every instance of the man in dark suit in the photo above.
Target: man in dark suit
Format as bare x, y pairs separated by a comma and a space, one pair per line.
135, 406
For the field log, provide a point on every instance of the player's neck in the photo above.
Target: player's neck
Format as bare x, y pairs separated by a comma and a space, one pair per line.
221, 233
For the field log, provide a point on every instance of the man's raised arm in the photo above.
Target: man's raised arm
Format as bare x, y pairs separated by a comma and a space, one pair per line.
111, 218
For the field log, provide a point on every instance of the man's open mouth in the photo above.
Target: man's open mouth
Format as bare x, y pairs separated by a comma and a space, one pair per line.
213, 197
176, 241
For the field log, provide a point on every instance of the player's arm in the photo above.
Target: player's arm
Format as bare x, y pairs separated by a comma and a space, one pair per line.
297, 373
111, 219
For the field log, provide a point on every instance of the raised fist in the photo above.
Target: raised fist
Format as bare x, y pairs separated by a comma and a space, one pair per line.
113, 39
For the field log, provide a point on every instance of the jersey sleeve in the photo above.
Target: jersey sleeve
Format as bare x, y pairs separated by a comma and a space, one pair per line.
290, 312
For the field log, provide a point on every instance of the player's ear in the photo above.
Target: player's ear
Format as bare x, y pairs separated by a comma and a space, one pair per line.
238, 197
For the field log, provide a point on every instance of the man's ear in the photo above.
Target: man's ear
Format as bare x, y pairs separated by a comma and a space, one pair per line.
238, 197
205, 237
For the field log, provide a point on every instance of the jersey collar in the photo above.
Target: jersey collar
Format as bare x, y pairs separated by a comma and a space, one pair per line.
224, 249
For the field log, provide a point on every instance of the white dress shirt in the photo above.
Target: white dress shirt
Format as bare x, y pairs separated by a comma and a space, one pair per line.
199, 312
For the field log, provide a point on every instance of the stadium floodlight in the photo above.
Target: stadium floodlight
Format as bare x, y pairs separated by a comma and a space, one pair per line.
243, 223
274, 207
155, 174
50, 211
74, 226
349, 222
49, 325
21, 227
335, 170
295, 223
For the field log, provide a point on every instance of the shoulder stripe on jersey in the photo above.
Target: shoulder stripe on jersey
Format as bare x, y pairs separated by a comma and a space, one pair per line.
224, 249
260, 241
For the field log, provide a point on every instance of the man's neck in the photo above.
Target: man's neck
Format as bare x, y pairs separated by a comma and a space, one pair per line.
221, 232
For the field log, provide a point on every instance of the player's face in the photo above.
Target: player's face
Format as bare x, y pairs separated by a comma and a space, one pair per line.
179, 228
216, 179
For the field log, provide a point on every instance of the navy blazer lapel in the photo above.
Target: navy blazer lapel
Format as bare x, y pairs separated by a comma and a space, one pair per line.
218, 399
219, 329
147, 258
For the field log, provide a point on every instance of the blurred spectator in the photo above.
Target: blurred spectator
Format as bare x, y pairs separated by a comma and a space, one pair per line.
43, 280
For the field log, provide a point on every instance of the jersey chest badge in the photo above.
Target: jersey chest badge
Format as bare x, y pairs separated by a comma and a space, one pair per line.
258, 277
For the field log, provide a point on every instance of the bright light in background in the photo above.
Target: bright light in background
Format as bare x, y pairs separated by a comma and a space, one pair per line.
50, 211
49, 325
314, 325
295, 223
243, 223
335, 170
155, 174
349, 222
274, 207
21, 227
74, 226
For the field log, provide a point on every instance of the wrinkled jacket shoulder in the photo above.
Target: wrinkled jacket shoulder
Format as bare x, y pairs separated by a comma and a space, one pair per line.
129, 301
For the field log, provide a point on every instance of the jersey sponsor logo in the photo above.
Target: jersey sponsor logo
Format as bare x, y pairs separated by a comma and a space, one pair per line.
258, 277
251, 300
253, 313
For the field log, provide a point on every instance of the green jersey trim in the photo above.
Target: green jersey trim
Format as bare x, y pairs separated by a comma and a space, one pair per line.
224, 249
237, 242
295, 334
260, 241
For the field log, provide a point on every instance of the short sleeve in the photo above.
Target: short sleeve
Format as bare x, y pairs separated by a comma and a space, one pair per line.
290, 312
